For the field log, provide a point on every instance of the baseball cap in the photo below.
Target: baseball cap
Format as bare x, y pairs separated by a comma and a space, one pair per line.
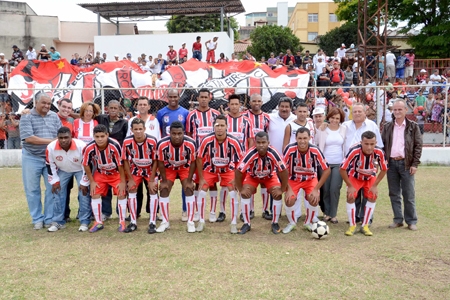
2, 54
343, 45
423, 70
128, 54
183, 43
318, 111
215, 36
116, 55
352, 46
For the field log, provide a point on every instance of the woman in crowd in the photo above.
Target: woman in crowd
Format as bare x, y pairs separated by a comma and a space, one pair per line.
84, 126
331, 143
438, 106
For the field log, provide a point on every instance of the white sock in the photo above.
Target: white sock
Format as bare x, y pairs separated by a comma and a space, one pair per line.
313, 210
252, 203
213, 195
96, 205
122, 205
245, 209
234, 203
290, 214
190, 204
223, 198
153, 208
201, 205
368, 212
164, 205
351, 213
265, 199
276, 207
132, 206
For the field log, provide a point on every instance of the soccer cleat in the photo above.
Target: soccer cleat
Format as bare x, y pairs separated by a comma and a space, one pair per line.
162, 227
55, 227
83, 228
190, 227
184, 216
245, 228
307, 227
276, 228
122, 227
151, 228
196, 217
267, 215
289, 228
38, 226
351, 230
233, 229
200, 226
212, 217
365, 230
252, 214
130, 228
221, 217
96, 227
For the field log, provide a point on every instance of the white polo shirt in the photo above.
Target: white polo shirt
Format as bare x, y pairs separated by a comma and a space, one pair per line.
353, 135
277, 127
151, 127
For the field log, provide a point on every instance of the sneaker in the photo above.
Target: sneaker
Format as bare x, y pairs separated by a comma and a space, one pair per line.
196, 217
184, 216
245, 228
151, 228
252, 214
276, 228
267, 215
190, 227
83, 228
365, 230
162, 227
212, 217
307, 227
351, 230
130, 228
200, 226
38, 225
289, 228
233, 229
55, 227
222, 216
122, 227
96, 227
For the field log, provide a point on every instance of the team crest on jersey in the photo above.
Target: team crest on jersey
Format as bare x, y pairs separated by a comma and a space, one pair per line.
75, 159
148, 151
133, 152
166, 119
184, 153
169, 155
296, 160
180, 118
59, 158
242, 125
197, 121
152, 127
85, 178
211, 119
110, 156
214, 150
95, 157
310, 160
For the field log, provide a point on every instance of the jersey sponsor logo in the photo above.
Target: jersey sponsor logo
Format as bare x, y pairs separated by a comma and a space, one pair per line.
166, 119
256, 130
177, 163
220, 162
143, 163
204, 131
107, 167
368, 172
304, 170
238, 135
262, 174
59, 158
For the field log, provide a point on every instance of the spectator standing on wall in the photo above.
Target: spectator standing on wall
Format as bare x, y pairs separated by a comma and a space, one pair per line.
31, 53
17, 55
390, 66
197, 49
54, 54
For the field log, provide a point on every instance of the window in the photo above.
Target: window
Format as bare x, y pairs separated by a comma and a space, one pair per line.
312, 36
270, 14
313, 18
333, 18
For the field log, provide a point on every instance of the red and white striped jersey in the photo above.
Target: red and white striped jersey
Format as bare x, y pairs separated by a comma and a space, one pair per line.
176, 158
200, 123
303, 166
361, 166
219, 157
262, 167
258, 122
84, 131
241, 129
140, 155
107, 161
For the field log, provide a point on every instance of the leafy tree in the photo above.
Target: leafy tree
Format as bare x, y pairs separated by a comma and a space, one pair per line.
333, 39
206, 23
273, 38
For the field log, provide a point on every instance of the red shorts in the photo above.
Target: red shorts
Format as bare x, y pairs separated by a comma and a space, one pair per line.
365, 185
105, 181
172, 174
307, 186
270, 183
224, 178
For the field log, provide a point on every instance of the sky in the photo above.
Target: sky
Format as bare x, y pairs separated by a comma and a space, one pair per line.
68, 10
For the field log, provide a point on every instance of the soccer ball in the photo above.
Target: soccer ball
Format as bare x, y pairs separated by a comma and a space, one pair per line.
320, 230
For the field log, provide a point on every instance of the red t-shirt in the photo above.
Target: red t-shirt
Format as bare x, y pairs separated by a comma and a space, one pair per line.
197, 46
182, 53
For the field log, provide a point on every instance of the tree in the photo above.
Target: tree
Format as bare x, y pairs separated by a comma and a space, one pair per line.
273, 38
206, 23
333, 39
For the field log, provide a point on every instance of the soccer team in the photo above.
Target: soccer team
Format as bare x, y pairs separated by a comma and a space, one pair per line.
202, 148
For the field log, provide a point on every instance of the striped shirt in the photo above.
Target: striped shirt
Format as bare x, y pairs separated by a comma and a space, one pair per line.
219, 157
241, 129
200, 123
176, 158
258, 122
33, 124
140, 155
262, 167
361, 166
303, 166
107, 160
296, 126
84, 130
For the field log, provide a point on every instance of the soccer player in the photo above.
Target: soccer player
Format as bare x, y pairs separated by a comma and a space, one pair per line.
106, 155
302, 160
261, 164
259, 121
217, 156
359, 171
139, 160
176, 157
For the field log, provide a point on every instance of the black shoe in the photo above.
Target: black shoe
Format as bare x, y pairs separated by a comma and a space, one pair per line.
246, 227
221, 217
151, 228
252, 214
267, 215
276, 228
68, 220
241, 217
130, 228
128, 219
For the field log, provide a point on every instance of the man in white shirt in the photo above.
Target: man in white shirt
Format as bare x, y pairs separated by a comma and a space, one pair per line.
319, 66
63, 158
390, 66
316, 57
31, 53
144, 67
341, 51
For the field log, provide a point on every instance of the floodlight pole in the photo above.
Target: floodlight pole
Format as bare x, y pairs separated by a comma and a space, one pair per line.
99, 25
221, 19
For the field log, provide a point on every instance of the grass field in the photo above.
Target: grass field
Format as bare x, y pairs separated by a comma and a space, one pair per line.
393, 264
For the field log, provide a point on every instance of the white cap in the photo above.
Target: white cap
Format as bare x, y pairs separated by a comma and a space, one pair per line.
390, 104
116, 55
318, 111
2, 54
215, 36
352, 46
184, 43
343, 45
43, 45
423, 70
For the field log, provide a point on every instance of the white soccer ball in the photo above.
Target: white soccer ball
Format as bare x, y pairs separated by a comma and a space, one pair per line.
320, 230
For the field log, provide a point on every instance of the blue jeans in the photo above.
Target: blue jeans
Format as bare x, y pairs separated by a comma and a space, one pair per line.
84, 212
197, 55
14, 142
332, 191
400, 73
33, 168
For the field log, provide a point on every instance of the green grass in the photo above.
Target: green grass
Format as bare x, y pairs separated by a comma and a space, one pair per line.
393, 264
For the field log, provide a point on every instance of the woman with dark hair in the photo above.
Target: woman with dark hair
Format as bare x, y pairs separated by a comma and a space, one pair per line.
331, 143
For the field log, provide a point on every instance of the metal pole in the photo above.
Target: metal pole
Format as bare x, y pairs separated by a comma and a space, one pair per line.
221, 19
117, 27
99, 26
103, 100
445, 114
